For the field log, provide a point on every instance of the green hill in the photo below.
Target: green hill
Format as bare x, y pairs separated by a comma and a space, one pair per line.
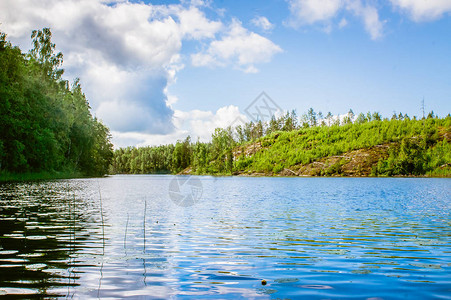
377, 148
366, 147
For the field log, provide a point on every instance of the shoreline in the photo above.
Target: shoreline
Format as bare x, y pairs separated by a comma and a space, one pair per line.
46, 176
39, 176
283, 176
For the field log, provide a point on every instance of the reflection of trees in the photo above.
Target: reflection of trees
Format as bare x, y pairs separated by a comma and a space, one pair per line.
42, 226
55, 229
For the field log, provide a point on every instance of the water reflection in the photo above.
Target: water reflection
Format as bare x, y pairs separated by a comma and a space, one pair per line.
319, 238
42, 227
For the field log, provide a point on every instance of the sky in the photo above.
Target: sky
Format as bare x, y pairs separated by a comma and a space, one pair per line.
157, 71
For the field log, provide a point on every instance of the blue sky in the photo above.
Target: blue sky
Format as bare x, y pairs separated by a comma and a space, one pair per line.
156, 71
334, 71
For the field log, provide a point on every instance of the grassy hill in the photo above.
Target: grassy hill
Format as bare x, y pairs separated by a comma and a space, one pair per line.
377, 148
363, 147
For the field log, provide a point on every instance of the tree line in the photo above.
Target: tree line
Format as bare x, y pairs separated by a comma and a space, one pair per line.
416, 146
46, 124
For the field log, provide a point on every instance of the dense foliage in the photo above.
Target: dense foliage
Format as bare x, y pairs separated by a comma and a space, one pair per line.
416, 147
45, 123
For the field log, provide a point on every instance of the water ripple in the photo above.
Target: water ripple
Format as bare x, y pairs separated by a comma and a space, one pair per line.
122, 237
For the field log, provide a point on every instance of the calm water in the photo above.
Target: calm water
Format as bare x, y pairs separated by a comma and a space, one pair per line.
124, 236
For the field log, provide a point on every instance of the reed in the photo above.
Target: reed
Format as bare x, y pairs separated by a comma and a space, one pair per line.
103, 239
125, 235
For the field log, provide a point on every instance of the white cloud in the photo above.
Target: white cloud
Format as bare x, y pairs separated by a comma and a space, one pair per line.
263, 23
203, 124
373, 25
196, 123
122, 52
199, 3
239, 47
312, 11
370, 17
195, 25
126, 54
424, 10
309, 12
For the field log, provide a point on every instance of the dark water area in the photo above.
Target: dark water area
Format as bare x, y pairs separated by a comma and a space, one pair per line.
162, 236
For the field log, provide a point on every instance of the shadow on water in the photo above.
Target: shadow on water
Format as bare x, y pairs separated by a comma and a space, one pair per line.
42, 227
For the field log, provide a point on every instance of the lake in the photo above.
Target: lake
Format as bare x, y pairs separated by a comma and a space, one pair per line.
161, 236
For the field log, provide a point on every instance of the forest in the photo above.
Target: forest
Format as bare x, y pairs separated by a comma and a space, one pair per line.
312, 145
47, 128
46, 124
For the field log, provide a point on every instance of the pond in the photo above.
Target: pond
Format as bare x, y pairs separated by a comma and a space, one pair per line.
161, 236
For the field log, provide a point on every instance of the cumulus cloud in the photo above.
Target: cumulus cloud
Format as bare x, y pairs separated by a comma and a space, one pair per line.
135, 102
123, 62
239, 47
196, 123
312, 11
195, 25
203, 123
370, 16
126, 54
262, 23
424, 10
308, 12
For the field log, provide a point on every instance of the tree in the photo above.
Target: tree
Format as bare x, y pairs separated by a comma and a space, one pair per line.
321, 118
351, 116
311, 115
273, 125
289, 121
305, 121
45, 125
294, 119
222, 145
241, 137
43, 53
361, 119
377, 116
329, 117
258, 129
